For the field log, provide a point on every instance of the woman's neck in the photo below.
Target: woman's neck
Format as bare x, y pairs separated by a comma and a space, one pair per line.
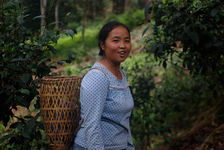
110, 64
114, 68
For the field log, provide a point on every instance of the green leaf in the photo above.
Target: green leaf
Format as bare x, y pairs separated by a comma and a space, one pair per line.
26, 77
69, 32
42, 60
145, 30
164, 64
28, 117
18, 59
26, 133
218, 44
13, 4
84, 68
153, 48
214, 12
6, 137
24, 91
61, 62
147, 9
68, 14
194, 37
20, 19
17, 125
38, 17
52, 49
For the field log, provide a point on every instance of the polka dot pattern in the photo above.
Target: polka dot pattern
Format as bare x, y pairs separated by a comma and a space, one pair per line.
106, 105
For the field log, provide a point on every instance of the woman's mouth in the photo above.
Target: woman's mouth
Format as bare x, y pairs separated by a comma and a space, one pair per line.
122, 53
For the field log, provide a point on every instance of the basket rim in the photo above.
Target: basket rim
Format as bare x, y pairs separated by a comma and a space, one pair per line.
60, 77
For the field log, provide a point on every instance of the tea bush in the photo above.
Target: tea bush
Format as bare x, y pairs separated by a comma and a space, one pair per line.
165, 99
198, 26
24, 60
140, 75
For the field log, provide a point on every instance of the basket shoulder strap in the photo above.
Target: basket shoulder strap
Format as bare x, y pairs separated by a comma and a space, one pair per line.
99, 70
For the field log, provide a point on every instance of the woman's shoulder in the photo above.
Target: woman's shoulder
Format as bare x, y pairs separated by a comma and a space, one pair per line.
100, 66
95, 74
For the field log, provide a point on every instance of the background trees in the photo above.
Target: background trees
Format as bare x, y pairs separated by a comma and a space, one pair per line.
193, 32
24, 59
199, 28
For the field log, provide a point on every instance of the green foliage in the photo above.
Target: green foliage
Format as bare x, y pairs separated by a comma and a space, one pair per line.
141, 82
77, 11
198, 25
72, 70
181, 96
33, 9
25, 134
24, 61
131, 18
73, 25
140, 74
68, 47
194, 31
165, 100
75, 48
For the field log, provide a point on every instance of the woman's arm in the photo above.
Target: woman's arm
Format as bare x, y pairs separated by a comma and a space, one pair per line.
93, 95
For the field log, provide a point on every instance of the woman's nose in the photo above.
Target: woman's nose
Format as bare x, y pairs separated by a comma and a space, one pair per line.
122, 45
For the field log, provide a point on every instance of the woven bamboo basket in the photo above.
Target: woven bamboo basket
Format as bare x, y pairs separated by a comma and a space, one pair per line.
60, 109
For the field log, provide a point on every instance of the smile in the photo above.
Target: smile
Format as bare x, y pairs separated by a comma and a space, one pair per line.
122, 53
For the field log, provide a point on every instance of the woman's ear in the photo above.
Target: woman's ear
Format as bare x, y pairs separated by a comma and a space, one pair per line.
102, 45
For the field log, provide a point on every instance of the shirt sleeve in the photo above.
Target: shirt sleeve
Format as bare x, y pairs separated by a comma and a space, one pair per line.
93, 95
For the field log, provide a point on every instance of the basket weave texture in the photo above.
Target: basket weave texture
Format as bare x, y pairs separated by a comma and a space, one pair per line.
60, 109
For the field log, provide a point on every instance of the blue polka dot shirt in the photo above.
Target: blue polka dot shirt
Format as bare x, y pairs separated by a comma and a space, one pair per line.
106, 105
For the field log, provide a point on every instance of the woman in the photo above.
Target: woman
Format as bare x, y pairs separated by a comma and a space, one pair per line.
105, 97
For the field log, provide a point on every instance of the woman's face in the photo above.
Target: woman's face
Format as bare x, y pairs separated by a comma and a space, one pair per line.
117, 45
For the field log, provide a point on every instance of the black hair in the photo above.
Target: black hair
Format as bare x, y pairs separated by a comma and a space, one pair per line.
105, 30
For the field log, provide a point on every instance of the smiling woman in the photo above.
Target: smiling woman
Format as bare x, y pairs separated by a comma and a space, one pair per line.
105, 97
115, 46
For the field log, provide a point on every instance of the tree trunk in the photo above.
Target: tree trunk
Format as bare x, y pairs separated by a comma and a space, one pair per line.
94, 10
118, 6
3, 1
148, 2
127, 2
56, 14
43, 5
83, 33
86, 8
134, 1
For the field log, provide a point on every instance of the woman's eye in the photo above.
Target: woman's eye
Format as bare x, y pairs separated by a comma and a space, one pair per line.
127, 41
115, 40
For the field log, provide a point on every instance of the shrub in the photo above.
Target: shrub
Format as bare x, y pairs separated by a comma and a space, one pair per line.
132, 18
198, 26
165, 100
24, 60
140, 76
